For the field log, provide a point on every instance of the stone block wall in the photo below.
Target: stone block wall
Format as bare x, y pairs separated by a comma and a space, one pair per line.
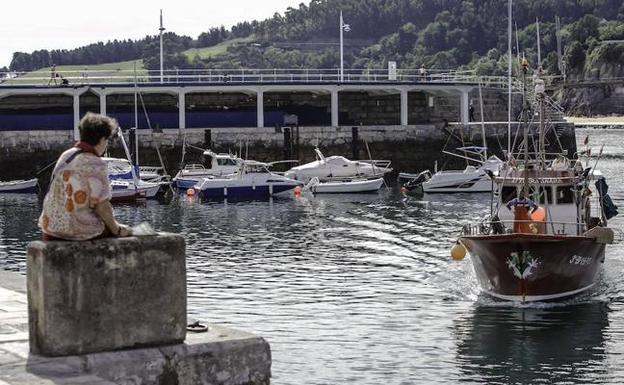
409, 147
105, 295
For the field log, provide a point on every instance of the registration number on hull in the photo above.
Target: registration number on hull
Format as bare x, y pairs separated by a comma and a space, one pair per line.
579, 260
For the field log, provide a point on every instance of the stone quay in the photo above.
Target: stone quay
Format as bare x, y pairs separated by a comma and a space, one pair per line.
113, 311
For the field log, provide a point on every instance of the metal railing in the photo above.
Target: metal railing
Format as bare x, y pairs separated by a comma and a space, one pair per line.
541, 227
244, 76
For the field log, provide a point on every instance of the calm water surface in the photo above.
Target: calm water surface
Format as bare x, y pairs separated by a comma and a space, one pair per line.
361, 289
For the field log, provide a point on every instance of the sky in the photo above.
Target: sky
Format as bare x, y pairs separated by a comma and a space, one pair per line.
29, 25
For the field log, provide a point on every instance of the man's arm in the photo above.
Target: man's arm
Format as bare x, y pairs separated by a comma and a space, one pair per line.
105, 211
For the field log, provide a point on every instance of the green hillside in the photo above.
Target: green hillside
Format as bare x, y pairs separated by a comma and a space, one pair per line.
439, 34
216, 50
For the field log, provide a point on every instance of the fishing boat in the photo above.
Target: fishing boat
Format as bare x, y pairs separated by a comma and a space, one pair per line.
344, 186
252, 181
555, 251
19, 186
333, 167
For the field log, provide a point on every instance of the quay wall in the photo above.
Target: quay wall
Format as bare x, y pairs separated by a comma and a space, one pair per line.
24, 154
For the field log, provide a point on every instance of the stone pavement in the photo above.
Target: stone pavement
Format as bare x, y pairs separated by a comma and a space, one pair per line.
220, 356
17, 366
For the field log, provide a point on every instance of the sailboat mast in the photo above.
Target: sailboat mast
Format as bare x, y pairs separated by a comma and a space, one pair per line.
482, 122
136, 122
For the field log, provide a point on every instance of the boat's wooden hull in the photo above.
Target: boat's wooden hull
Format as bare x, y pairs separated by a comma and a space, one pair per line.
527, 267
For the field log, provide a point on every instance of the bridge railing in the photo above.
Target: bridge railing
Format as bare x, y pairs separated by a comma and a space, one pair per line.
85, 76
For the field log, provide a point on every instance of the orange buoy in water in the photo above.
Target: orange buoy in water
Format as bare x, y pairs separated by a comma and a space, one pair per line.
403, 189
297, 191
190, 192
458, 251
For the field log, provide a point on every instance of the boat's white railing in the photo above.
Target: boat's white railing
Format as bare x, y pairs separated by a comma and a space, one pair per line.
64, 78
194, 167
380, 163
536, 227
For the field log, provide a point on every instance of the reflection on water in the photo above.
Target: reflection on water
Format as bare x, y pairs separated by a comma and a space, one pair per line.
528, 345
361, 288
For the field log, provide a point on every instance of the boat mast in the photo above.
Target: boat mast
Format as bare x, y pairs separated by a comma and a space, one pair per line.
509, 74
485, 153
525, 108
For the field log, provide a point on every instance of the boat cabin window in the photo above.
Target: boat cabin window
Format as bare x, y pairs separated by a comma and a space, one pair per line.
543, 195
256, 168
206, 161
565, 194
226, 162
509, 193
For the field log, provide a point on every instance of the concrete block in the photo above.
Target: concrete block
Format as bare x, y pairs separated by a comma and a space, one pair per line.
110, 294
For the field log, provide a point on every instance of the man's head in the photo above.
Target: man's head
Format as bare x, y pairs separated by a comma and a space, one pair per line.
96, 129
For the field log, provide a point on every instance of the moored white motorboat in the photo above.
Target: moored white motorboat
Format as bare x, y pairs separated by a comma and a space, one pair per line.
19, 186
470, 179
345, 186
252, 181
332, 167
212, 165
127, 190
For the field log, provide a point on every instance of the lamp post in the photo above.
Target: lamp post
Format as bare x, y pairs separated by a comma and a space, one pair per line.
343, 28
161, 29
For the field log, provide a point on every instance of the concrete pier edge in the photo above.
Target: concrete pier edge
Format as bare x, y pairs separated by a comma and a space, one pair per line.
219, 356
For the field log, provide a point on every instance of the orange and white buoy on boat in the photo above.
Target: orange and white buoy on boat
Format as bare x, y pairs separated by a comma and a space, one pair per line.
190, 192
458, 251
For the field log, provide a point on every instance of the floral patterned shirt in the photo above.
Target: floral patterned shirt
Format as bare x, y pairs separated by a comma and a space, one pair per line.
76, 188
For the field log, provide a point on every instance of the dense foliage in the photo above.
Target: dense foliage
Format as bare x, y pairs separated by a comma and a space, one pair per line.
433, 33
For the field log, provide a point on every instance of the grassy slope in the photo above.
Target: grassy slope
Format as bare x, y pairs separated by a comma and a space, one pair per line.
74, 72
215, 50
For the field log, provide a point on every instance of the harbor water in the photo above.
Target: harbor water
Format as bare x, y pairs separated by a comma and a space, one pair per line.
361, 288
